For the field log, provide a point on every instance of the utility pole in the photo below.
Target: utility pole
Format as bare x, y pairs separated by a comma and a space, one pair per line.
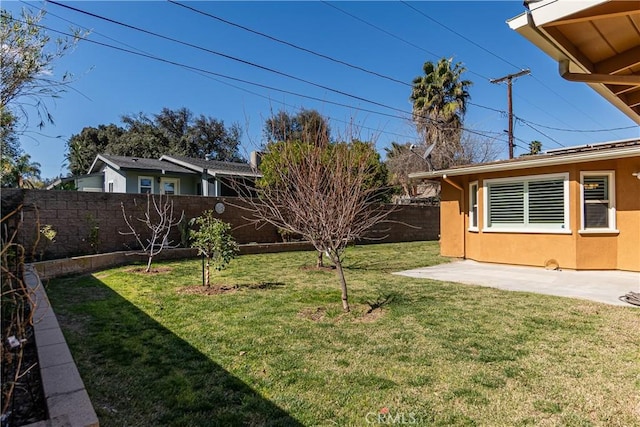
509, 79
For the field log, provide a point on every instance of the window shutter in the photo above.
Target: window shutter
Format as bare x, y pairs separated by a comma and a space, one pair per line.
506, 203
596, 199
546, 202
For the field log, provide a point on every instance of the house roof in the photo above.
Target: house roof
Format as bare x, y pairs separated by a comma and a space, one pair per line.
568, 155
136, 163
594, 41
213, 167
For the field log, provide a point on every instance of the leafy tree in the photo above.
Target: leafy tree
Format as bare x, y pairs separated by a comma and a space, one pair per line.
176, 132
307, 126
323, 193
439, 100
27, 57
83, 147
213, 239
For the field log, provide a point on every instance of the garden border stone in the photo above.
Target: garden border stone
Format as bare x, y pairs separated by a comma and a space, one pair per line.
67, 400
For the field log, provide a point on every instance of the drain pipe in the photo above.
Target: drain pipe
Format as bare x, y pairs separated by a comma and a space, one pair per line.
446, 179
563, 69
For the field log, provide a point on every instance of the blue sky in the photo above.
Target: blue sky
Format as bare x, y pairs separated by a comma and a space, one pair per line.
389, 38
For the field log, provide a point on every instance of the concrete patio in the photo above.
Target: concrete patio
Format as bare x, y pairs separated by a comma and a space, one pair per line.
600, 286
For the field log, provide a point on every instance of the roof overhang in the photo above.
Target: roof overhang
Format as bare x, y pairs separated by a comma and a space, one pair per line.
594, 41
532, 162
94, 168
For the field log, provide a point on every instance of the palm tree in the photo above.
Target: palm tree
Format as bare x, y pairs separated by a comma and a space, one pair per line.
25, 172
439, 103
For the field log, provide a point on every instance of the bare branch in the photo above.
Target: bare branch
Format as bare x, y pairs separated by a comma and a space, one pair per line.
159, 226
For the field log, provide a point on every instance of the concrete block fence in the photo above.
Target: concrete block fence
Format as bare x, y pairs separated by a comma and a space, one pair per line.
73, 215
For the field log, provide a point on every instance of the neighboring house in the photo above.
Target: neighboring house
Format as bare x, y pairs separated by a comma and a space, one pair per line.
167, 175
576, 208
123, 174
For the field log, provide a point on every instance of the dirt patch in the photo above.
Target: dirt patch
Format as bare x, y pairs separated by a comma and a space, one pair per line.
208, 290
370, 316
359, 314
141, 270
218, 289
315, 314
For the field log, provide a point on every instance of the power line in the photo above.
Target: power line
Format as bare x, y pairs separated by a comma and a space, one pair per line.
286, 43
208, 72
233, 58
460, 35
357, 18
544, 134
575, 130
198, 70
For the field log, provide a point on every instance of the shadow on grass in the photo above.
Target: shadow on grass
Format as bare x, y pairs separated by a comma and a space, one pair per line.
137, 372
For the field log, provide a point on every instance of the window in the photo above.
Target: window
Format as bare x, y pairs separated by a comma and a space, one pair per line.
145, 185
473, 206
170, 186
598, 201
110, 186
527, 204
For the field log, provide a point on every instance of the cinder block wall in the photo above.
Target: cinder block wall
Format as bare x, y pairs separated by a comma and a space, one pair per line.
73, 213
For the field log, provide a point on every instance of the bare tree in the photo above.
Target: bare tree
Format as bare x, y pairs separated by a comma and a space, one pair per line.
322, 193
479, 149
157, 220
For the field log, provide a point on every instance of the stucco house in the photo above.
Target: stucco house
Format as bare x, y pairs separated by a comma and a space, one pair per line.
168, 175
577, 207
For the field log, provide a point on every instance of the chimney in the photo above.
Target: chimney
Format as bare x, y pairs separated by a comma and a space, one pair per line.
256, 158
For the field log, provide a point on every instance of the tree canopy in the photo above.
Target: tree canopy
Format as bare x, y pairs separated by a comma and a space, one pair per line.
307, 126
174, 132
27, 57
27, 81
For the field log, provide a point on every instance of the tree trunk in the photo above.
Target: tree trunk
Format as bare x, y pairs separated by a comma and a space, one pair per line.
319, 263
343, 285
149, 265
207, 275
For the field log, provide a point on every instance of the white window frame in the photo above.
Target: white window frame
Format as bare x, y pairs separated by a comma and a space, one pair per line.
140, 178
611, 175
488, 228
176, 182
474, 217
110, 187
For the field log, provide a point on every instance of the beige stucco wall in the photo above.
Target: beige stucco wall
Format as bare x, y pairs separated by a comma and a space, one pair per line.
573, 250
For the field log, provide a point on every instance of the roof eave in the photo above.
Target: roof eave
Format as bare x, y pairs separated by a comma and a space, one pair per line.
182, 163
101, 159
546, 160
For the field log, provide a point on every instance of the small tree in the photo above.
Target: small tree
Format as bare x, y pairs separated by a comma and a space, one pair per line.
213, 239
158, 222
325, 193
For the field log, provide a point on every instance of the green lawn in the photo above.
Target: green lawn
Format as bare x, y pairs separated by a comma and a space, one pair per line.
279, 351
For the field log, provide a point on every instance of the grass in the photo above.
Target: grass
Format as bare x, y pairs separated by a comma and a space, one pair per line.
283, 353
